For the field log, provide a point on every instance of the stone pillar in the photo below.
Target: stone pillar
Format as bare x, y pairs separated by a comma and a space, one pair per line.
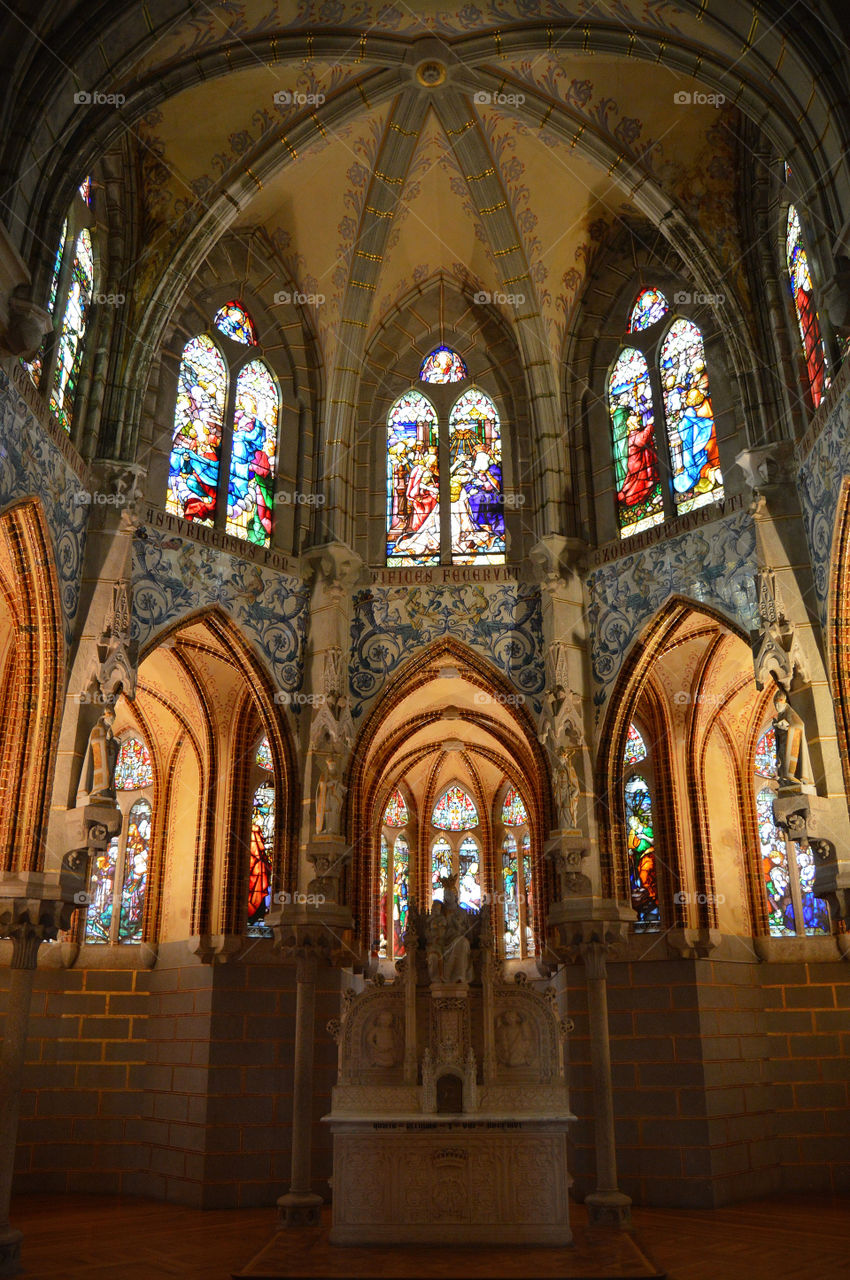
606, 1206
300, 1206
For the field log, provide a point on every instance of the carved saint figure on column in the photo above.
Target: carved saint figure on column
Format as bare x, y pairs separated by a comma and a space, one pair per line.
792, 750
97, 780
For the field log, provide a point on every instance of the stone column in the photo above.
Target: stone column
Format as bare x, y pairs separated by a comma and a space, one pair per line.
300, 1206
606, 1206
25, 944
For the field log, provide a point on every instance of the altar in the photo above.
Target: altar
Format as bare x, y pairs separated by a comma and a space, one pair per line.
451, 1110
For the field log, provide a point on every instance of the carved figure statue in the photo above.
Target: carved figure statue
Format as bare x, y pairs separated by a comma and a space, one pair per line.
567, 787
97, 780
447, 945
514, 1040
382, 1042
330, 795
792, 750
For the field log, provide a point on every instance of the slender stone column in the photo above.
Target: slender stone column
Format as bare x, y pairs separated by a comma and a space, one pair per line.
25, 944
607, 1205
300, 1206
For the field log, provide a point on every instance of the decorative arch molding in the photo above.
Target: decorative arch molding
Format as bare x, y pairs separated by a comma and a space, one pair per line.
838, 625
34, 671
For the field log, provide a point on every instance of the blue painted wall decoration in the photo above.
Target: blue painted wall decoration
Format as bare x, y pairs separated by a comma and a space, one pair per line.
820, 479
174, 577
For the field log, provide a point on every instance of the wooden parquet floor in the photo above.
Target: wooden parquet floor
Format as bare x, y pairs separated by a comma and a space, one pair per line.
94, 1238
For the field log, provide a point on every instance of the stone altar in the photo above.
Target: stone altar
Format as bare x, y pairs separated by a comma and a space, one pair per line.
451, 1110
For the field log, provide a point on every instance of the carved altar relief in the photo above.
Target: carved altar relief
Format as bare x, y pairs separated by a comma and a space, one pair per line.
516, 1040
383, 1044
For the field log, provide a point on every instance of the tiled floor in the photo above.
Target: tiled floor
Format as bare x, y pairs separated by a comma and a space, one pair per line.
91, 1238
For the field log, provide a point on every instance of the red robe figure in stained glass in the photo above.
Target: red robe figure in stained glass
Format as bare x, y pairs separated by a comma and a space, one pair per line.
259, 878
422, 492
812, 344
641, 462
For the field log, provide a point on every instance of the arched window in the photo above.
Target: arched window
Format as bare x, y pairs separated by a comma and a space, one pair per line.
413, 482
477, 498
800, 284
516, 886
119, 875
454, 811
227, 411
455, 851
664, 436
788, 871
260, 866
72, 333
640, 834
394, 878
36, 365
443, 365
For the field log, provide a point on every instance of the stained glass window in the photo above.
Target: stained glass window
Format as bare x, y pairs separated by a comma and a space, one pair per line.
401, 876
476, 490
134, 767
774, 862
395, 814
510, 889
250, 493
260, 860
441, 865
234, 322
639, 501
514, 812
800, 283
454, 811
264, 756
85, 190
469, 882
691, 432
635, 747
69, 351
36, 365
136, 856
641, 847
528, 886
443, 365
413, 482
815, 910
650, 307
196, 445
383, 896
766, 755
102, 893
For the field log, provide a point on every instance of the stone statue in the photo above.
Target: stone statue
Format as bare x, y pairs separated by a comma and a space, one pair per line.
383, 1047
792, 750
97, 780
514, 1040
567, 788
447, 946
330, 795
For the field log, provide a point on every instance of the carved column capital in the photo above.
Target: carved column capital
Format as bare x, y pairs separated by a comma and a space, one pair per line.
34, 908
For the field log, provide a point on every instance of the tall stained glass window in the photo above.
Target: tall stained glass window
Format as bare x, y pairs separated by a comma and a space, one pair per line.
264, 756
788, 870
443, 365
516, 886
640, 503
510, 890
35, 366
413, 482
394, 876
234, 322
640, 834
650, 307
250, 494
635, 747
71, 339
691, 433
401, 878
442, 865
260, 860
196, 442
800, 283
476, 489
119, 875
469, 874
454, 811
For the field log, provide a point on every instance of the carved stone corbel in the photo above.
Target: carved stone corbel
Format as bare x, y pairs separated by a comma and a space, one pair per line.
777, 654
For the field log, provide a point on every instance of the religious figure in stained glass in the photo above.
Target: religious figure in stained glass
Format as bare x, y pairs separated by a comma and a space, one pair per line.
766, 765
641, 851
69, 352
443, 365
639, 500
102, 893
800, 282
383, 896
136, 854
250, 493
196, 443
234, 322
635, 747
691, 432
510, 889
85, 190
454, 811
774, 863
401, 876
441, 866
528, 887
413, 482
815, 910
260, 863
133, 767
514, 812
469, 885
650, 307
264, 756
476, 488
35, 366
395, 813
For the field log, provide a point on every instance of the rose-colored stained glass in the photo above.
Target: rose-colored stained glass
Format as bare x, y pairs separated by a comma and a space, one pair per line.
395, 813
454, 811
514, 812
134, 767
